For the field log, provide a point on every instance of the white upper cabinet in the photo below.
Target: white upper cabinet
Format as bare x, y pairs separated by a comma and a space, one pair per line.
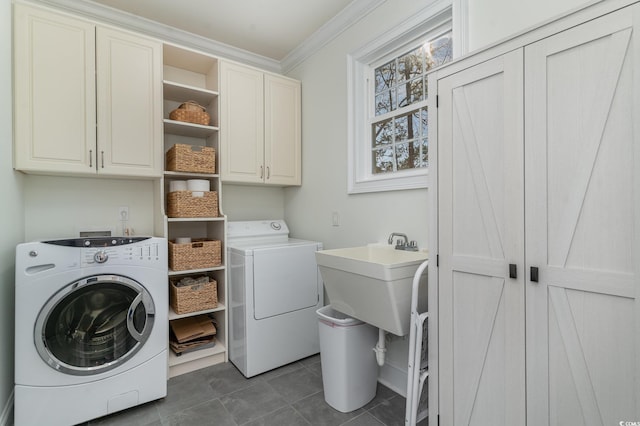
260, 127
87, 100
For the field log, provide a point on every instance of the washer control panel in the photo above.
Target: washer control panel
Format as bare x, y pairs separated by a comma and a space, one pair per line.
97, 241
117, 250
148, 251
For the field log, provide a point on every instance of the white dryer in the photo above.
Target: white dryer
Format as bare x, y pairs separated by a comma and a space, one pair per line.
91, 327
275, 289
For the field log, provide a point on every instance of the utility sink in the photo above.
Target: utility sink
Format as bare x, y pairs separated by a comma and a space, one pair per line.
373, 284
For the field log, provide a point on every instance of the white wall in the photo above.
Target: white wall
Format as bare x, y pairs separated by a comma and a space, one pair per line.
12, 223
241, 202
59, 207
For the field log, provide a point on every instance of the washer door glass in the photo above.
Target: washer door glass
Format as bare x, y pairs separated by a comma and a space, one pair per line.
94, 325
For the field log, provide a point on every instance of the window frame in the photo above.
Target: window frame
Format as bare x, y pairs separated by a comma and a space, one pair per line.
430, 22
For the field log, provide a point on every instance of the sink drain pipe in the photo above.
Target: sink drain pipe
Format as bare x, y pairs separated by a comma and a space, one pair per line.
381, 347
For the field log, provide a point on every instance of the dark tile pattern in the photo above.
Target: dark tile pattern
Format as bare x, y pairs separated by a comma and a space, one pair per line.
288, 396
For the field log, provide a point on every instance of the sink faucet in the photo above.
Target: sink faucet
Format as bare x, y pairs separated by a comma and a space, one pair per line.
406, 245
398, 234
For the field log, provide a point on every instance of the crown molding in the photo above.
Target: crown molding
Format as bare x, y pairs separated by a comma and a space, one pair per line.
351, 14
128, 21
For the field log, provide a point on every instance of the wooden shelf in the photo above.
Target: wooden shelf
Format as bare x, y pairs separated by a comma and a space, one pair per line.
188, 129
173, 315
181, 93
195, 271
176, 175
195, 219
174, 359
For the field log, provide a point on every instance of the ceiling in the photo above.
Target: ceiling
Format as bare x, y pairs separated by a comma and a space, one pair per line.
270, 28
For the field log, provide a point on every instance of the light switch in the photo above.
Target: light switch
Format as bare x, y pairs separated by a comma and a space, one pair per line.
335, 218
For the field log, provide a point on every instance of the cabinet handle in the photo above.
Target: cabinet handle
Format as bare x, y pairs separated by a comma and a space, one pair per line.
513, 271
102, 152
90, 158
534, 274
261, 172
268, 172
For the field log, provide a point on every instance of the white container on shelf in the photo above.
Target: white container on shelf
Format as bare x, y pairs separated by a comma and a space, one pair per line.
199, 185
177, 185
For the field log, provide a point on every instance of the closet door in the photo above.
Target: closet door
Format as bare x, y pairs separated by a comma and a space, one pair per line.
583, 223
481, 308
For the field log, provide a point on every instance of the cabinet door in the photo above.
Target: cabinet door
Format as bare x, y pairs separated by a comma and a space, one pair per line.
481, 350
54, 59
282, 135
129, 92
583, 223
242, 124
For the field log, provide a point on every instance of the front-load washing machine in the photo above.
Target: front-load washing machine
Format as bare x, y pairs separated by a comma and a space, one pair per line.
91, 327
275, 289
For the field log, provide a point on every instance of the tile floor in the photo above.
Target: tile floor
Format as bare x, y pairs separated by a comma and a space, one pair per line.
288, 396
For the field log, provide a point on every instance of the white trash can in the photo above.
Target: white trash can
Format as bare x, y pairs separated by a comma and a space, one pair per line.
349, 367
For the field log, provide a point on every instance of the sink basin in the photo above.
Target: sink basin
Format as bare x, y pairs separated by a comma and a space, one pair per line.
373, 284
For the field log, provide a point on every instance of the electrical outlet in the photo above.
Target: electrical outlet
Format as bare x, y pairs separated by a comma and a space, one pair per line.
123, 213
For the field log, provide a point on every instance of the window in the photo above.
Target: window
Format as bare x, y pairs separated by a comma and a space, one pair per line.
388, 140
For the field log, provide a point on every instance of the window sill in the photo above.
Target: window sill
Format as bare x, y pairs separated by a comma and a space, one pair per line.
388, 183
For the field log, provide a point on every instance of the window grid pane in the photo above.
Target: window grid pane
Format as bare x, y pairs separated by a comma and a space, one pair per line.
401, 142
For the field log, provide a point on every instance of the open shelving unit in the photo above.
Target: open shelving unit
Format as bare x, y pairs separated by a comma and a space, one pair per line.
193, 76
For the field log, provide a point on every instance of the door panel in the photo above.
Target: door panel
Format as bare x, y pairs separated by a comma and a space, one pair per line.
129, 88
55, 99
481, 310
285, 279
242, 123
282, 135
581, 224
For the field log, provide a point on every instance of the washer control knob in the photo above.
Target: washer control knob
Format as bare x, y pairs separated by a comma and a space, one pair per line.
100, 256
33, 253
87, 243
276, 226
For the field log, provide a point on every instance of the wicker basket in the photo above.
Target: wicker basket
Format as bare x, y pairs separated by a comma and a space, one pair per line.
189, 158
200, 253
191, 112
194, 298
184, 204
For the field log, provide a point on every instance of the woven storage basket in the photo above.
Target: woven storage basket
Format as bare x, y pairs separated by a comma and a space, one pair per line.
184, 204
191, 112
193, 298
189, 158
200, 253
